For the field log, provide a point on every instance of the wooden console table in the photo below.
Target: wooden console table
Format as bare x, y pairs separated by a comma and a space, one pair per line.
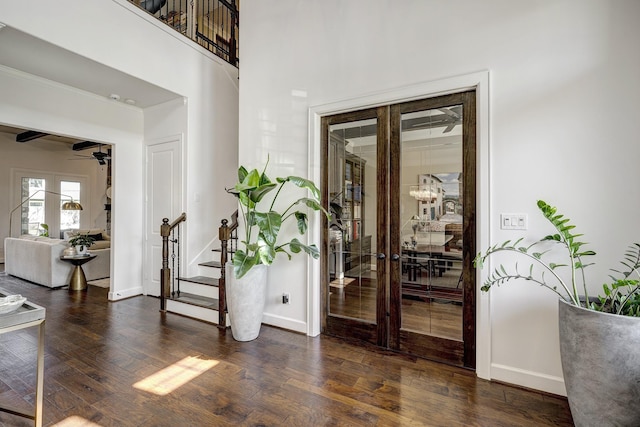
28, 315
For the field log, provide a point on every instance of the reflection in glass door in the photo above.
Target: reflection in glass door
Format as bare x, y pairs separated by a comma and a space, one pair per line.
431, 212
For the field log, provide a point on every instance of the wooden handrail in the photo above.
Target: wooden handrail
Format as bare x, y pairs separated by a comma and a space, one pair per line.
165, 228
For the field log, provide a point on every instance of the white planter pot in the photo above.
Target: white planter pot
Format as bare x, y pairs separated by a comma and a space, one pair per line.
245, 301
81, 249
601, 366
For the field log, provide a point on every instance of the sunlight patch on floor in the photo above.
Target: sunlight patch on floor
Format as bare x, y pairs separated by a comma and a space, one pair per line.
75, 421
172, 377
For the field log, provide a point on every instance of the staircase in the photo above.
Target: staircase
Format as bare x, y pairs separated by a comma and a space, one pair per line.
199, 297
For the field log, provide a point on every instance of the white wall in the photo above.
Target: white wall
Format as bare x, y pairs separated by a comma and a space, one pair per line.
117, 34
564, 80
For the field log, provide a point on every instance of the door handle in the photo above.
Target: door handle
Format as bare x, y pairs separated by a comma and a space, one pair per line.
381, 256
395, 257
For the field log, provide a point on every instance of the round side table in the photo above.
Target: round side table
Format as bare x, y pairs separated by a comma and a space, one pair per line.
78, 280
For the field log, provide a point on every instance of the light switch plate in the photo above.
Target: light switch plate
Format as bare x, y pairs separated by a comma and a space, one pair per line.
509, 221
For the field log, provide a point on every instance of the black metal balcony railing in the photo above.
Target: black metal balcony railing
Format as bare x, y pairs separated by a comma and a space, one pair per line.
212, 24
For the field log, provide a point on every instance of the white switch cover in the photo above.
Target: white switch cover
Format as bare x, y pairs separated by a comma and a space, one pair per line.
510, 221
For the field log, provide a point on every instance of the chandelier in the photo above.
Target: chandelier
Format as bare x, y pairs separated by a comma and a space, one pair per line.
422, 194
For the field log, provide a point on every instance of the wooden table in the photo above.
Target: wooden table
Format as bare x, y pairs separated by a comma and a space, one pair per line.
425, 256
434, 260
28, 315
78, 280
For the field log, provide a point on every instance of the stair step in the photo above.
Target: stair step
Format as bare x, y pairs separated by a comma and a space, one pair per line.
229, 251
202, 280
214, 264
196, 300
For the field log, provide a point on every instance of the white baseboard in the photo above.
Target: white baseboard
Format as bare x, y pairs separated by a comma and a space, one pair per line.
284, 322
534, 380
125, 293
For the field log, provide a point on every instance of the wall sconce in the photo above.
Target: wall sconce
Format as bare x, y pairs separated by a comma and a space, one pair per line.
66, 206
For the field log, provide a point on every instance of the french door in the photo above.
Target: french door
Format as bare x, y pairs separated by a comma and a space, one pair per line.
398, 251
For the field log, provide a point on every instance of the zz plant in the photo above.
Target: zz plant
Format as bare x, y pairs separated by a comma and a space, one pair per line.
621, 296
262, 224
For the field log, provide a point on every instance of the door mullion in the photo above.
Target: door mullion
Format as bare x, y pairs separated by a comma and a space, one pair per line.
395, 299
383, 224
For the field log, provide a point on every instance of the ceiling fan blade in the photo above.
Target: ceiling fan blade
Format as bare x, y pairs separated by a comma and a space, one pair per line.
450, 112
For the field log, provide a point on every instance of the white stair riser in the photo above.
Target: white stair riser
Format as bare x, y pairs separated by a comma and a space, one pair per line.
193, 311
208, 271
198, 289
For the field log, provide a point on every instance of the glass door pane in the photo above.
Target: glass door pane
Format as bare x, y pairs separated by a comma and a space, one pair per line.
32, 213
69, 220
431, 209
352, 292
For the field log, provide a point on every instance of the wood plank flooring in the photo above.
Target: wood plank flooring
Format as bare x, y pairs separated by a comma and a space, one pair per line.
98, 353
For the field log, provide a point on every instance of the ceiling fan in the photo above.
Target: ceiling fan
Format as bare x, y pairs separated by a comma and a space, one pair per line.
96, 155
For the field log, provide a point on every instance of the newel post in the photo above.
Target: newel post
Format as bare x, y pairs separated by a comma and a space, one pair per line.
165, 273
224, 234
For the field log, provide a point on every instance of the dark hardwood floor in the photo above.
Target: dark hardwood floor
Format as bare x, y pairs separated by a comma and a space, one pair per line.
125, 364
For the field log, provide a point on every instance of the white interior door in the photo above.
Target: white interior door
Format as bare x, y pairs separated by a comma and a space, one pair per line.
164, 200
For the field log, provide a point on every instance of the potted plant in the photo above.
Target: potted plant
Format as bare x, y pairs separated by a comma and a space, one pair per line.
599, 336
260, 244
44, 230
81, 242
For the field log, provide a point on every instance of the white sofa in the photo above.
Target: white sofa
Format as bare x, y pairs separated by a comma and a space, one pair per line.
37, 259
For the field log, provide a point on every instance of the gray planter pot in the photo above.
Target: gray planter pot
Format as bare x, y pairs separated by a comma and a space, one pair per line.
600, 355
245, 301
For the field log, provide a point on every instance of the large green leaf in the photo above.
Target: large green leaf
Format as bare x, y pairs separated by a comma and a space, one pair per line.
266, 252
301, 219
242, 173
269, 224
258, 193
242, 263
251, 180
296, 246
302, 183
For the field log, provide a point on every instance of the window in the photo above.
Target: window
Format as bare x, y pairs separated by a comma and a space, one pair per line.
37, 199
32, 214
69, 220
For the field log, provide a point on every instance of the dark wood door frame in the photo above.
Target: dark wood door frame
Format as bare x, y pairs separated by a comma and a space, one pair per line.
388, 159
